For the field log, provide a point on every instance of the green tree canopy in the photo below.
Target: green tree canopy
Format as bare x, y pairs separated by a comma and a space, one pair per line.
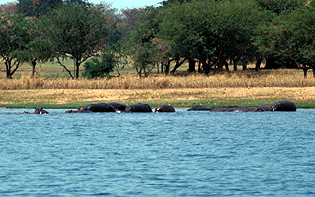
210, 31
77, 32
139, 41
14, 37
278, 6
291, 37
37, 7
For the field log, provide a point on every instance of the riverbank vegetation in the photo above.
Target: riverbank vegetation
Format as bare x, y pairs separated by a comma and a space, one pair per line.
229, 89
207, 35
264, 78
183, 53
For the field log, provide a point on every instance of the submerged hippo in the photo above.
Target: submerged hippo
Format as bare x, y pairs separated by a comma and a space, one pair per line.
78, 111
118, 106
264, 108
99, 107
200, 109
283, 106
220, 109
139, 107
40, 111
165, 108
240, 109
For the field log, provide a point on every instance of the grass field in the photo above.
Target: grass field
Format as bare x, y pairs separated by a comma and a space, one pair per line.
52, 88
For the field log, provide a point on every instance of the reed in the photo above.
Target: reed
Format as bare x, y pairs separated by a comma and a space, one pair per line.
276, 78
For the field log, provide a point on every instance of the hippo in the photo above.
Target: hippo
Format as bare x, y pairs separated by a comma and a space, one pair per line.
200, 109
40, 111
165, 108
264, 108
240, 109
78, 111
118, 106
283, 106
139, 107
99, 107
220, 109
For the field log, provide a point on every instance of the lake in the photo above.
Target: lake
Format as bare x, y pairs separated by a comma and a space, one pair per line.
157, 154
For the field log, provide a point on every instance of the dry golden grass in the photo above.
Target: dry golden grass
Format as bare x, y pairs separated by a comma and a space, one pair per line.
187, 96
230, 89
278, 78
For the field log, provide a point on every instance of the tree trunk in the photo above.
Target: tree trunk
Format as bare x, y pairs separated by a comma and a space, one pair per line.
226, 66
205, 66
177, 65
235, 61
77, 65
244, 62
191, 65
258, 63
33, 67
305, 71
9, 66
199, 67
167, 67
62, 65
8, 69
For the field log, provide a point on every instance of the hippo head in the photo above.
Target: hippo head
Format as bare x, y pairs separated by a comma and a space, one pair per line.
38, 110
129, 109
159, 109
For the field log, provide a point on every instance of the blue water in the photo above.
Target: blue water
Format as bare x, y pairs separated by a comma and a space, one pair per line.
157, 154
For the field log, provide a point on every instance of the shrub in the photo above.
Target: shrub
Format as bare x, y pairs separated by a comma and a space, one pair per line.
99, 66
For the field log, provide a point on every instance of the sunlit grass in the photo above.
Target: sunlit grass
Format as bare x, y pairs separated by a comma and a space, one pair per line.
276, 78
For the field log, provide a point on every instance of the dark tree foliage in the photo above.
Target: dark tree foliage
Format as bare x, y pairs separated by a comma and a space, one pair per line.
77, 32
139, 41
278, 6
210, 31
169, 2
293, 38
9, 8
14, 37
35, 8
99, 66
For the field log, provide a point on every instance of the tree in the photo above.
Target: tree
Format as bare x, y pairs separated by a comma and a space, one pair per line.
102, 64
279, 6
210, 31
77, 32
38, 48
275, 13
13, 39
139, 41
9, 8
35, 8
297, 37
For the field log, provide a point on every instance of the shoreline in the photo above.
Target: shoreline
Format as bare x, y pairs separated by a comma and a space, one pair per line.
303, 97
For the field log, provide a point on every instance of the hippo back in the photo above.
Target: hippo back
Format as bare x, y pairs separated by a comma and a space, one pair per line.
239, 109
165, 108
99, 107
283, 106
139, 107
264, 108
118, 106
196, 108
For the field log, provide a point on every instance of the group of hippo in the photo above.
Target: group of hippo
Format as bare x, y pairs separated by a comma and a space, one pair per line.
143, 107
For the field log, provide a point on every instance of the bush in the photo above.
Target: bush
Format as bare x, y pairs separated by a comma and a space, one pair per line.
99, 66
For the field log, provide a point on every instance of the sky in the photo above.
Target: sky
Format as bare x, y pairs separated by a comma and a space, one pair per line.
119, 4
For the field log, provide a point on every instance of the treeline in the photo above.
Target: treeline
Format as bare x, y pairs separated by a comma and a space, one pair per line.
209, 35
